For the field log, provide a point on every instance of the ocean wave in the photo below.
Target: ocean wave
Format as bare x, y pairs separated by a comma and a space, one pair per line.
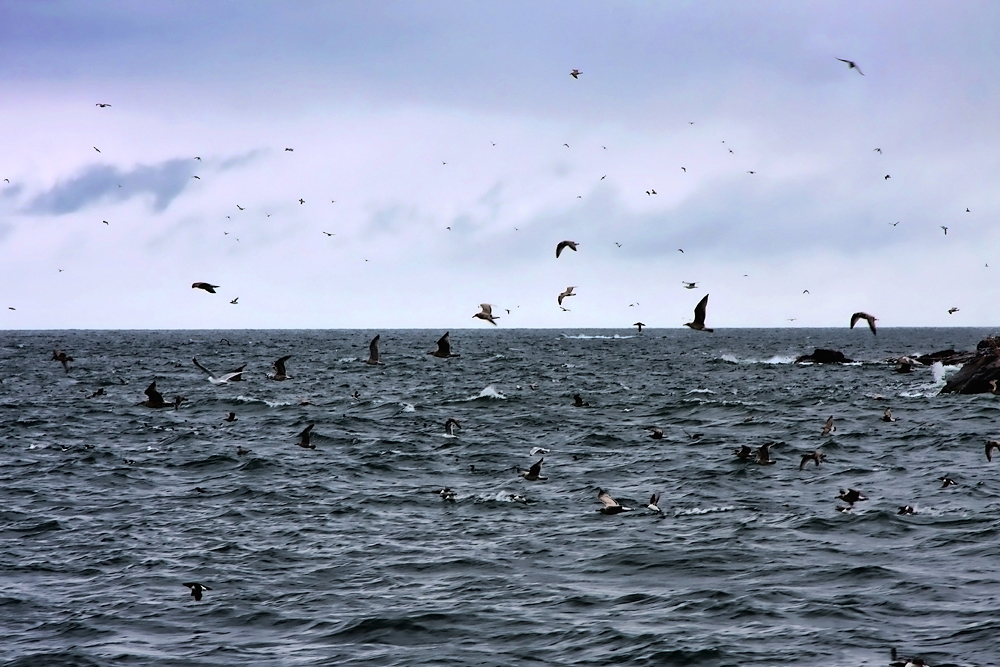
271, 404
489, 392
586, 337
776, 359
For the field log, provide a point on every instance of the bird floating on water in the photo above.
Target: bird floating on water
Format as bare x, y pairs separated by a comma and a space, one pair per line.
231, 417
864, 316
486, 313
578, 402
196, 590
656, 433
565, 244
699, 317
205, 286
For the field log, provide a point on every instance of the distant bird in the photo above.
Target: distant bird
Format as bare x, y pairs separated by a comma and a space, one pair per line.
764, 455
304, 438
906, 509
654, 502
699, 317
242, 451
290, 149
198, 177
878, 150
6, 180
945, 230
684, 169
618, 244
680, 250
751, 172
887, 416
154, 399
196, 590
568, 292
805, 291
97, 149
604, 176
240, 207
11, 308
688, 285
578, 402
99, 392
329, 234
946, 482
611, 506
234, 301
816, 457
565, 244
279, 368
851, 496
197, 158
231, 417
864, 316
651, 192
893, 224
990, 446
486, 313
967, 210
743, 453
657, 433
640, 325
234, 376
533, 473
575, 74
443, 350
105, 222
205, 286
828, 427
62, 358
451, 425
447, 494
102, 105
374, 358
302, 201
852, 65
566, 145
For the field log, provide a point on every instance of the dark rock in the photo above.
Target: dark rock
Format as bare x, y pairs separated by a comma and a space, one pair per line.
821, 356
946, 357
975, 375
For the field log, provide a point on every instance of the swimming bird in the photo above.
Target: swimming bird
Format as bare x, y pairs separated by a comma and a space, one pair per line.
154, 399
743, 453
688, 285
234, 376
99, 392
828, 427
699, 317
657, 433
851, 496
575, 74
196, 590
451, 425
304, 438
815, 457
990, 446
887, 416
443, 350
611, 506
565, 244
62, 358
234, 301
906, 509
952, 310
231, 417
764, 455
447, 494
640, 325
279, 368
374, 358
653, 504
533, 473
205, 286
578, 402
864, 316
486, 313
242, 451
568, 292
946, 482
852, 65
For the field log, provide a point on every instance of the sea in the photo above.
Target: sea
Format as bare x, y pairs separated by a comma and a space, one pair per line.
349, 554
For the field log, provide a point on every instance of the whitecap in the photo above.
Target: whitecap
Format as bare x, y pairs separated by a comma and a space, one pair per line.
586, 337
700, 391
488, 392
408, 407
348, 359
270, 404
538, 450
705, 510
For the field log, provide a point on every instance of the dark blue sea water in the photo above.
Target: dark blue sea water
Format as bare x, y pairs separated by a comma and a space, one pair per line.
346, 555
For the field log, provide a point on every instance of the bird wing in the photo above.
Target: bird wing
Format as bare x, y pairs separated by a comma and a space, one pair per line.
279, 365
536, 468
699, 311
487, 309
373, 349
210, 373
855, 317
229, 377
154, 396
606, 498
444, 344
305, 431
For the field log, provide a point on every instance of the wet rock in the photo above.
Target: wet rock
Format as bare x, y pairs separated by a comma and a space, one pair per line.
946, 357
975, 376
821, 356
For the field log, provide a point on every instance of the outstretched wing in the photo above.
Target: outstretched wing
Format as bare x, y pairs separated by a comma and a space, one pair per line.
699, 311
279, 365
536, 469
154, 396
373, 355
606, 498
444, 344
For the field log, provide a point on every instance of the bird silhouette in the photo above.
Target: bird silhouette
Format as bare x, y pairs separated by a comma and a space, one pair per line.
852, 65
576, 74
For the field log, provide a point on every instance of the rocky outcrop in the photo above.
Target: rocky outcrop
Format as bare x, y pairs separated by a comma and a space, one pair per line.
946, 357
976, 374
821, 356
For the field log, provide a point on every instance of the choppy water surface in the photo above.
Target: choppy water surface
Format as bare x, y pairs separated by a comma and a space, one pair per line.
345, 554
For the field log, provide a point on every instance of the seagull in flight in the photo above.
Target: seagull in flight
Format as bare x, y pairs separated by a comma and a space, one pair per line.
864, 316
486, 313
290, 149
945, 230
302, 201
566, 293
952, 310
97, 149
102, 105
329, 234
878, 150
699, 317
565, 244
234, 301
688, 285
575, 74
852, 65
205, 286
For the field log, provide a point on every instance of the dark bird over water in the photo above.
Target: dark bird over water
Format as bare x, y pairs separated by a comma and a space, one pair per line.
154, 399
828, 427
62, 358
815, 457
578, 402
533, 473
887, 416
946, 482
990, 446
640, 325
906, 509
196, 590
657, 433
565, 244
864, 316
451, 425
852, 65
486, 313
654, 503
304, 438
611, 506
851, 496
443, 350
699, 317
743, 453
279, 368
231, 417
205, 286
374, 358
764, 455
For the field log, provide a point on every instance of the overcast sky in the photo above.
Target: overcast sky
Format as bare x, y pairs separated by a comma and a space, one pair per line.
447, 149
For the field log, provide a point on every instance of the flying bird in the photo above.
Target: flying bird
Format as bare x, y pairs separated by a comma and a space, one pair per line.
887, 177
240, 207
102, 105
61, 357
566, 293
952, 310
851, 496
302, 201
290, 149
304, 438
751, 172
205, 286
234, 301
486, 313
743, 453
945, 230
640, 325
565, 244
575, 74
374, 358
533, 473
611, 506
688, 285
279, 368
450, 425
887, 416
764, 455
196, 590
946, 482
329, 234
97, 149
805, 291
578, 402
967, 210
680, 250
154, 399
699, 317
828, 427
233, 376
653, 504
852, 65
816, 457
864, 316
443, 350
878, 150
684, 169
198, 177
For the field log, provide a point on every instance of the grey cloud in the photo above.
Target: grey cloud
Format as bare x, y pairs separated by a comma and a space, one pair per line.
12, 191
241, 160
164, 181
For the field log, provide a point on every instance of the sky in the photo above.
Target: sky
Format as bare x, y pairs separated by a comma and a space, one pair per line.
442, 150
